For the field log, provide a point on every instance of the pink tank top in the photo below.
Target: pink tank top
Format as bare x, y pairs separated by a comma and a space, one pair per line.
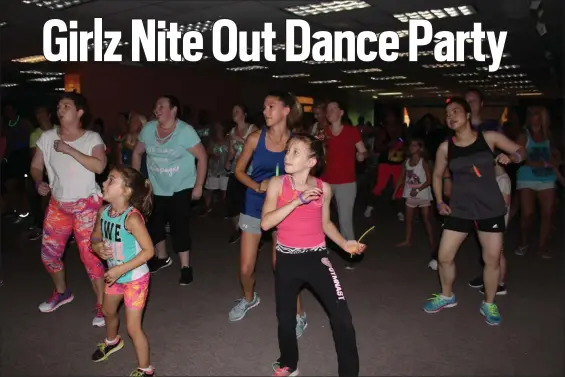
303, 227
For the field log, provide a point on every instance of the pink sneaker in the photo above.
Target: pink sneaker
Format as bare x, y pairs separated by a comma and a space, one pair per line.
285, 372
56, 301
98, 320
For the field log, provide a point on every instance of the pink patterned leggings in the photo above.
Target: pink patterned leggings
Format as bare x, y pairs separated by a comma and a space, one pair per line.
64, 218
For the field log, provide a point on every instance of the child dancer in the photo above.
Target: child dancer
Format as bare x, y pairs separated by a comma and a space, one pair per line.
217, 175
121, 238
416, 179
298, 204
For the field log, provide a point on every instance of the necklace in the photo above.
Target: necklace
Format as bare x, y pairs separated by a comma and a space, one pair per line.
164, 139
15, 123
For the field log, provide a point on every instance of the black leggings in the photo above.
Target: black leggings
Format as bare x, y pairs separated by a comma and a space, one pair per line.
314, 269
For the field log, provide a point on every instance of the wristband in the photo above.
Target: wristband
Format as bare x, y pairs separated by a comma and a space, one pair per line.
302, 199
439, 203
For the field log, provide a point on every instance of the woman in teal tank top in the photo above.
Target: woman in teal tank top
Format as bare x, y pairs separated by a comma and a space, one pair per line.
121, 238
536, 179
264, 150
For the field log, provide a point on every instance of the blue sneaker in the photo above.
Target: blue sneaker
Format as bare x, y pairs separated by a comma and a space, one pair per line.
438, 302
242, 307
301, 324
491, 314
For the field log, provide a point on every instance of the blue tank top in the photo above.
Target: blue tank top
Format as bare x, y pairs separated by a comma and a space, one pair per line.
264, 165
537, 152
123, 243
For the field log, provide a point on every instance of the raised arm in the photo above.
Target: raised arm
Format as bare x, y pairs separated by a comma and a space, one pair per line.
516, 152
96, 163
271, 215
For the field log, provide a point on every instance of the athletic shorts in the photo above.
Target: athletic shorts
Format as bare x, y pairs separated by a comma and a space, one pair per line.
216, 183
535, 185
135, 292
492, 225
417, 203
250, 224
174, 210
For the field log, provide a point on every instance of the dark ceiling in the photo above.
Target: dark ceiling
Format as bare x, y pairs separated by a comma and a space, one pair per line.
532, 63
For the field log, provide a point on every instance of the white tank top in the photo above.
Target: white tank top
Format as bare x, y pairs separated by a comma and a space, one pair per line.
416, 177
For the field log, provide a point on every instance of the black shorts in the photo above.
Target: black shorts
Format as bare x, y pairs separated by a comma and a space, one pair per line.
174, 210
492, 225
235, 197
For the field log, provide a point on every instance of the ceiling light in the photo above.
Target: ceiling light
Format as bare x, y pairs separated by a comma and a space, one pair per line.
292, 76
440, 92
400, 33
200, 26
370, 90
8, 85
46, 79
3, 23
487, 56
382, 78
461, 74
507, 75
409, 83
366, 70
321, 62
426, 88
520, 87
324, 82
277, 47
327, 7
529, 94
351, 86
56, 4
59, 89
30, 59
247, 68
42, 73
511, 66
204, 57
473, 81
433, 14
420, 53
443, 65
515, 82
390, 94
106, 43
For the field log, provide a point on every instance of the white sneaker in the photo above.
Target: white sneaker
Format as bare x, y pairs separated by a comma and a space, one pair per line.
368, 211
98, 320
400, 216
433, 264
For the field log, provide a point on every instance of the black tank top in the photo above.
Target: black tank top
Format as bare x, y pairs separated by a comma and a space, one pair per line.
475, 194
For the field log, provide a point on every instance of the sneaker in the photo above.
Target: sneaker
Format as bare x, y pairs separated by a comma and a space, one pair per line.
185, 276
156, 264
545, 254
349, 266
301, 324
433, 264
56, 301
98, 320
438, 302
242, 307
491, 314
35, 234
143, 373
500, 291
521, 250
285, 371
476, 282
400, 216
235, 237
368, 212
104, 350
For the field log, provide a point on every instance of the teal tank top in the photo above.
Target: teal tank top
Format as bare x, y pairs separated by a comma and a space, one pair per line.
122, 242
537, 152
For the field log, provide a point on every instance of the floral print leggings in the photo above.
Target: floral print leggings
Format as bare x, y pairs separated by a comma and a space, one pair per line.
64, 218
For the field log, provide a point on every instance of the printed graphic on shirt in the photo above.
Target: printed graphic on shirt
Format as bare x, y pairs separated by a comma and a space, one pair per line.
412, 179
396, 153
539, 154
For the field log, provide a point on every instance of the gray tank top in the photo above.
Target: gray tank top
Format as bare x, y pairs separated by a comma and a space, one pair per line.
475, 194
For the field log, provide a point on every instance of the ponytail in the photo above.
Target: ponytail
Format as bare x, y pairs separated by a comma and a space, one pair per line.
294, 116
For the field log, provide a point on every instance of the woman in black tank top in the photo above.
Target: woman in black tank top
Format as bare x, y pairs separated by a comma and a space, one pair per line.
475, 203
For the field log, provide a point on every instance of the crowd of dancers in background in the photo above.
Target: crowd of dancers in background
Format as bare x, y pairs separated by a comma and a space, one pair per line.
277, 178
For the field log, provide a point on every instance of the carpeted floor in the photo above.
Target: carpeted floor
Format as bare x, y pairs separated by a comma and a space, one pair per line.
190, 335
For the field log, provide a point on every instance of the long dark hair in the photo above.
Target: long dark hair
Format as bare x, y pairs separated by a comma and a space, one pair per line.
141, 190
289, 100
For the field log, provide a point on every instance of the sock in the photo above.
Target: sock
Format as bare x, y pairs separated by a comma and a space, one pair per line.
112, 342
149, 369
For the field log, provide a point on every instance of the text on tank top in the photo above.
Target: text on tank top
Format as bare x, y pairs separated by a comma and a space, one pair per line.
537, 152
122, 242
265, 165
303, 228
474, 194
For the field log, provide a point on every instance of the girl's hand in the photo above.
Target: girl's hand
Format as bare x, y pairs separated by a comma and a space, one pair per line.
414, 192
102, 251
310, 195
354, 247
443, 209
263, 186
112, 275
503, 159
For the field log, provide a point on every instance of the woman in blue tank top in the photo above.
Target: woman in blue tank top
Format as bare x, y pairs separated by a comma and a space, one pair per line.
262, 158
536, 179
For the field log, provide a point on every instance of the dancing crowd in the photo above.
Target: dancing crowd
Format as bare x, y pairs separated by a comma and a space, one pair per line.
121, 200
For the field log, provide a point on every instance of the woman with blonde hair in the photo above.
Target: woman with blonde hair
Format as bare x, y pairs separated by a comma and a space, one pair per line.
536, 178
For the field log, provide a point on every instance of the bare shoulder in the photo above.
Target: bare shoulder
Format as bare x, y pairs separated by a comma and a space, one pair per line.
253, 138
327, 189
134, 219
443, 147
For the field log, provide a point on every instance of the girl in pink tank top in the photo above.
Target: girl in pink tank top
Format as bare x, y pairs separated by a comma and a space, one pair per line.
298, 205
